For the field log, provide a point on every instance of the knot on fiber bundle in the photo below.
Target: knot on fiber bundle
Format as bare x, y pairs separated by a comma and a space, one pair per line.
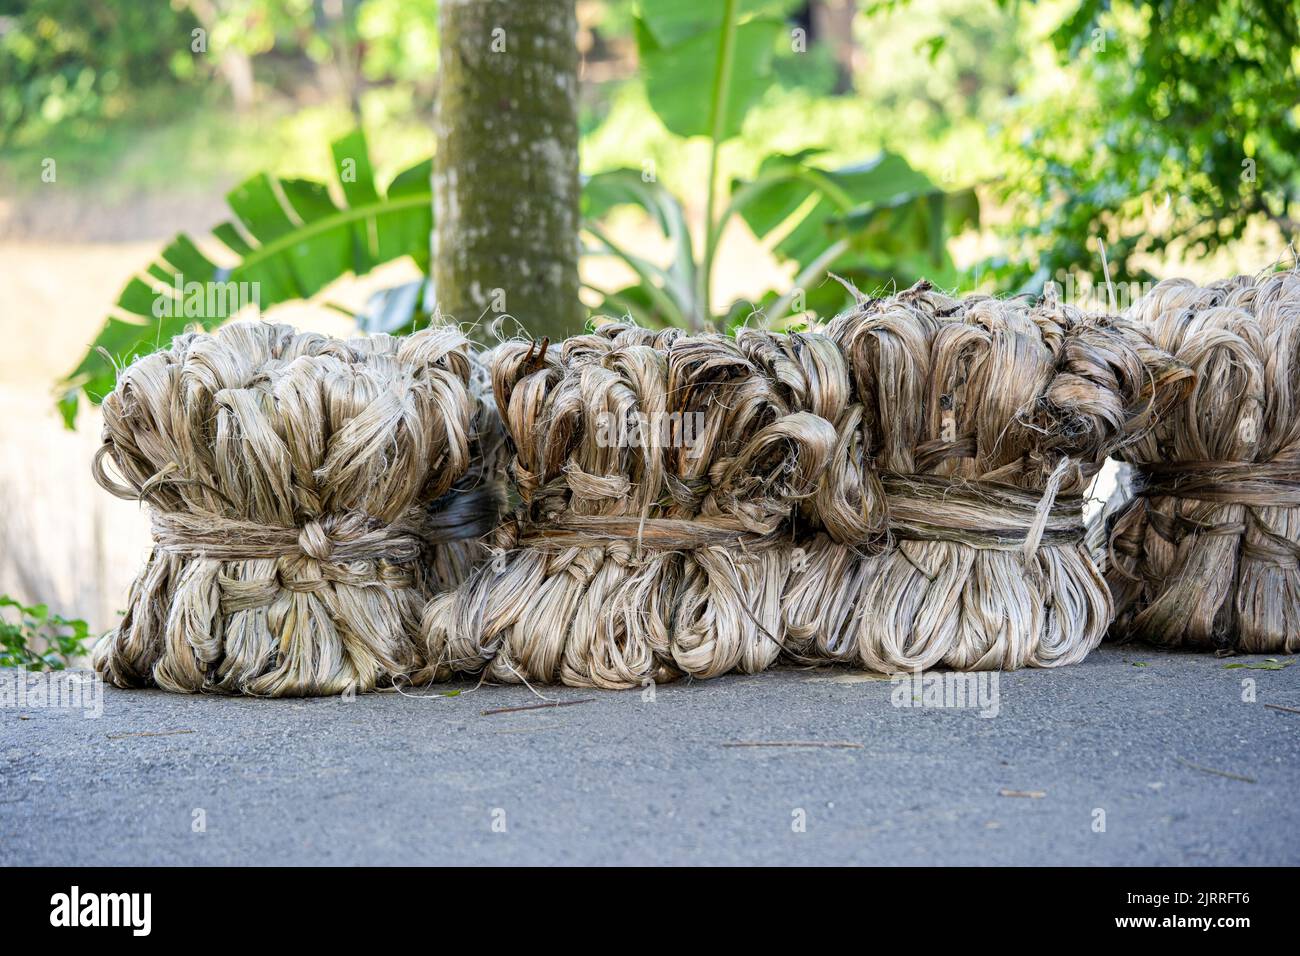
1204, 554
338, 539
291, 479
659, 474
973, 429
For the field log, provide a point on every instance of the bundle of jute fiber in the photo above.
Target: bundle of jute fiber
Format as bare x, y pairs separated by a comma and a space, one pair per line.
1205, 553
462, 520
957, 535
658, 473
290, 478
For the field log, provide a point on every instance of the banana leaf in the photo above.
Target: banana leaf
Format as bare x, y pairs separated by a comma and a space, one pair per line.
288, 239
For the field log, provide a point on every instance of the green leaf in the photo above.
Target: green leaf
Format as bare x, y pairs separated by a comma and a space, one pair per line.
1268, 664
352, 163
801, 200
678, 76
67, 405
671, 21
667, 295
290, 238
398, 310
606, 191
890, 221
40, 640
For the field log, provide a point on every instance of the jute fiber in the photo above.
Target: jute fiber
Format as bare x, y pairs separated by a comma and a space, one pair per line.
1205, 553
974, 430
463, 519
659, 474
292, 480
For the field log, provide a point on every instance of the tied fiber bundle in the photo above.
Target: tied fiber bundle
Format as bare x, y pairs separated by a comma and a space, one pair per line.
953, 527
462, 520
656, 556
1205, 554
290, 478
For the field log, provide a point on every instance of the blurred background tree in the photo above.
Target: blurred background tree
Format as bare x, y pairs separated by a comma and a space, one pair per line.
1165, 128
1180, 128
68, 63
505, 168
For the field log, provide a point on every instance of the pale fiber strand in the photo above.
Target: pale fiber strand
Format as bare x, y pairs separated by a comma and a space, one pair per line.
1205, 553
976, 426
637, 561
308, 496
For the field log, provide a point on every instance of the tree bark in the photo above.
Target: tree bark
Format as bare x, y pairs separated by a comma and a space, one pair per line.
505, 176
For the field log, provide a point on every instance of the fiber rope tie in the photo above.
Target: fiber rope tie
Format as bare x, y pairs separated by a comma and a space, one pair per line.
1252, 485
343, 538
983, 514
1262, 484
337, 540
657, 534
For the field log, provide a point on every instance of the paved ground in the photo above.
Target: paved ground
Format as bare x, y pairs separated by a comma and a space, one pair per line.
1184, 771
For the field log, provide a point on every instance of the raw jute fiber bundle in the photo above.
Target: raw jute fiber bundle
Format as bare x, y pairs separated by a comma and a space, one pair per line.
1205, 554
291, 479
975, 429
658, 474
463, 519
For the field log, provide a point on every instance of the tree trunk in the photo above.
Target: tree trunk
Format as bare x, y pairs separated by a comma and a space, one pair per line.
234, 65
505, 176
237, 68
832, 21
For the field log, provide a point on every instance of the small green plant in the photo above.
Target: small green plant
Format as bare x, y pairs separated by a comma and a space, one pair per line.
39, 641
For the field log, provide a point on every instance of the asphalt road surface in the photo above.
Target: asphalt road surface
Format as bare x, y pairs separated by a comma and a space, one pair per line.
1134, 757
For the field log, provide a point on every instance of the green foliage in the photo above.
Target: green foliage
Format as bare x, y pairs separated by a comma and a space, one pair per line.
258, 26
38, 640
662, 295
86, 64
686, 47
705, 66
873, 223
1179, 127
937, 65
289, 238
399, 42
66, 61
